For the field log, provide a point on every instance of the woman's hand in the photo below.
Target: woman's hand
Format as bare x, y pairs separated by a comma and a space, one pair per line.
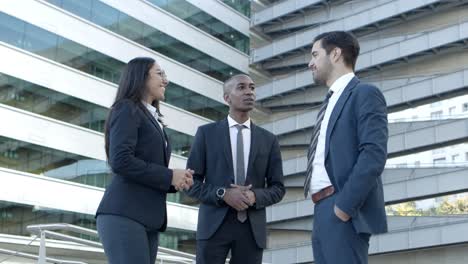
182, 179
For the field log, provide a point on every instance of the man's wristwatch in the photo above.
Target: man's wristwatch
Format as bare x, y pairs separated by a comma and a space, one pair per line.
220, 192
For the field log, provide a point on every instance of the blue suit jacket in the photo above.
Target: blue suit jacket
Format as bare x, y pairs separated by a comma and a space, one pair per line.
139, 161
355, 155
211, 159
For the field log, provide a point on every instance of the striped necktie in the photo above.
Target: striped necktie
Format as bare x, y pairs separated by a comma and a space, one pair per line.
314, 141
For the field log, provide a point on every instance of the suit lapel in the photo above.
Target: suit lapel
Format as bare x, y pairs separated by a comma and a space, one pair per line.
223, 131
337, 111
158, 128
253, 151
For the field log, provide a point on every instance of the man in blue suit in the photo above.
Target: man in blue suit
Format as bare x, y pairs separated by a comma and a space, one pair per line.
237, 173
346, 156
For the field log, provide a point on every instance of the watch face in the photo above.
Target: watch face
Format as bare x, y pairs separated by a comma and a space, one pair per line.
220, 192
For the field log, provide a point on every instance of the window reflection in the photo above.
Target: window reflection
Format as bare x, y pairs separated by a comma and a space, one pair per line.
35, 159
135, 30
40, 100
39, 41
243, 6
205, 22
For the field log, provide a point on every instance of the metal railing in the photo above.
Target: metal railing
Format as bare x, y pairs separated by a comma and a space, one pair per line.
165, 255
12, 253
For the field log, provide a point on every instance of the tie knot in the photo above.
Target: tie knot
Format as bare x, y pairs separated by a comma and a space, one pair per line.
239, 127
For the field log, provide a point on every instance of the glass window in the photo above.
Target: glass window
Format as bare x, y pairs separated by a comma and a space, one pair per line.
81, 8
130, 27
12, 31
27, 157
39, 41
152, 38
77, 56
204, 21
40, 100
104, 15
180, 142
14, 218
243, 6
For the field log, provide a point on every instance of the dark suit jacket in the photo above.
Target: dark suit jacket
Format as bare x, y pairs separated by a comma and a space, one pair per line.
139, 161
355, 155
211, 159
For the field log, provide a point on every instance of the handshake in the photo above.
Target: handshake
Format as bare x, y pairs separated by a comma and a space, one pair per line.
182, 179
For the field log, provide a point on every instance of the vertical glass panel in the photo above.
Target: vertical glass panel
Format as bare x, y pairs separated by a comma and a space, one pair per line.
105, 16
242, 6
40, 41
81, 8
130, 27
180, 142
72, 55
12, 30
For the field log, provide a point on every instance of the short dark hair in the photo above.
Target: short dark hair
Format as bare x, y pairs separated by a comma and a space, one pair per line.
343, 40
227, 86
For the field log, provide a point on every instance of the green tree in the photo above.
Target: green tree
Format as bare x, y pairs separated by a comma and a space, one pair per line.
404, 209
452, 207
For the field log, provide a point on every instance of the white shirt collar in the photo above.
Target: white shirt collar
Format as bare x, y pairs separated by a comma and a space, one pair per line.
151, 109
233, 122
342, 82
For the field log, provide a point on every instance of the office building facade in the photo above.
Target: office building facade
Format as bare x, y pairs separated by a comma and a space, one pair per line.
61, 63
416, 53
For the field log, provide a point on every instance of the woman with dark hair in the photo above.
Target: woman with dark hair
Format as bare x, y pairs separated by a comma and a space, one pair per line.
132, 211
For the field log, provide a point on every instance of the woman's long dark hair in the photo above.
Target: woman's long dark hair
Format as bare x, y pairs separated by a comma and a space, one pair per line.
132, 86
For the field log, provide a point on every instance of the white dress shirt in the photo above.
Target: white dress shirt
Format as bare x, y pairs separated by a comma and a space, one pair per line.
155, 115
246, 132
320, 177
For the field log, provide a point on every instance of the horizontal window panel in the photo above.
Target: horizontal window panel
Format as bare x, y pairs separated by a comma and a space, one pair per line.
85, 34
167, 23
21, 188
144, 33
196, 16
43, 131
41, 42
242, 6
39, 160
40, 100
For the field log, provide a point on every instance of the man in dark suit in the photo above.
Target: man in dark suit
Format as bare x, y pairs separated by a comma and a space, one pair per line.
346, 156
237, 173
